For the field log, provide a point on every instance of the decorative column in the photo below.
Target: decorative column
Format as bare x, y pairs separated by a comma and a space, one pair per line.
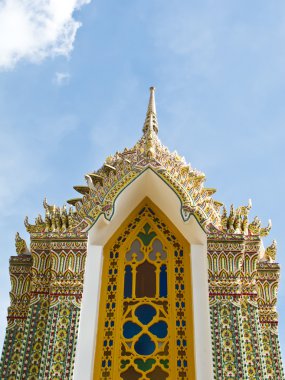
254, 351
226, 255
67, 259
20, 276
267, 283
58, 250
32, 348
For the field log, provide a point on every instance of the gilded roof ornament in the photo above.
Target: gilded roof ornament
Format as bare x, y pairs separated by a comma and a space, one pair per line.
256, 229
57, 221
82, 189
255, 226
21, 246
244, 210
224, 219
270, 252
265, 230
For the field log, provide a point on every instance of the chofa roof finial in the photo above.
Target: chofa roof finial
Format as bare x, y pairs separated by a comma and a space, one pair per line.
151, 119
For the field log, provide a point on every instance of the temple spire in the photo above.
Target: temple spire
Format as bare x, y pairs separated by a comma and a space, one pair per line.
150, 123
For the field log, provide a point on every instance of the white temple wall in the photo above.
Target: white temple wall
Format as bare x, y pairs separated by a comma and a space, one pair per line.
86, 342
150, 185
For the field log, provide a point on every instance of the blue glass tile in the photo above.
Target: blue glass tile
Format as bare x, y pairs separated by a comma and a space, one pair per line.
159, 329
128, 282
131, 329
145, 313
163, 282
144, 346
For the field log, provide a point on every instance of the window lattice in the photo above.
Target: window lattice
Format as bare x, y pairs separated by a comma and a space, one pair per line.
145, 327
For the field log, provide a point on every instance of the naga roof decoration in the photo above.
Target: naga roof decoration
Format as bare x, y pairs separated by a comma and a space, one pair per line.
104, 185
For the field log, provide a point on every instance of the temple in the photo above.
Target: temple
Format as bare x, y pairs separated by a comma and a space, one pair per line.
145, 276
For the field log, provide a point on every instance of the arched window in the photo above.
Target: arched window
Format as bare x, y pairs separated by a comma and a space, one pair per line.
145, 322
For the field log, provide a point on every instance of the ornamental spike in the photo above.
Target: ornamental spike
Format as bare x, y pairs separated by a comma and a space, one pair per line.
45, 204
265, 231
150, 123
26, 222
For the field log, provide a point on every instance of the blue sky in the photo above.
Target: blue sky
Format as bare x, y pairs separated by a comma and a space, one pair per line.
71, 95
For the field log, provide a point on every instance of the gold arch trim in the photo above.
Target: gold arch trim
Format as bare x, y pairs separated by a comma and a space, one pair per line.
173, 357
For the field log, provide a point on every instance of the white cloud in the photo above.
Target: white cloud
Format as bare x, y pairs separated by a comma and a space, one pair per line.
61, 79
36, 29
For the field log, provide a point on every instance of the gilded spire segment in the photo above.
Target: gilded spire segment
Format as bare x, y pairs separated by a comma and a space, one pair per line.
151, 123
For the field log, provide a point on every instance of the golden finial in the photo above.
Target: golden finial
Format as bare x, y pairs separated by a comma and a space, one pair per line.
237, 223
231, 219
224, 219
150, 123
255, 226
245, 224
21, 246
45, 204
26, 222
270, 252
265, 230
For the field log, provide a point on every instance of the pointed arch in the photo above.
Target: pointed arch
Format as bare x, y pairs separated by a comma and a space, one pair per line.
149, 244
149, 185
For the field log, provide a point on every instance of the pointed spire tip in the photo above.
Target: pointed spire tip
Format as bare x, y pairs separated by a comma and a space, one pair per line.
151, 119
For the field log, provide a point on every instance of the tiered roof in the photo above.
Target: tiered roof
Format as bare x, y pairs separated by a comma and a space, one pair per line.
103, 186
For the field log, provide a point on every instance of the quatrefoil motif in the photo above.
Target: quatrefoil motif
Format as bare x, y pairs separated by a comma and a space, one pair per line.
145, 341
